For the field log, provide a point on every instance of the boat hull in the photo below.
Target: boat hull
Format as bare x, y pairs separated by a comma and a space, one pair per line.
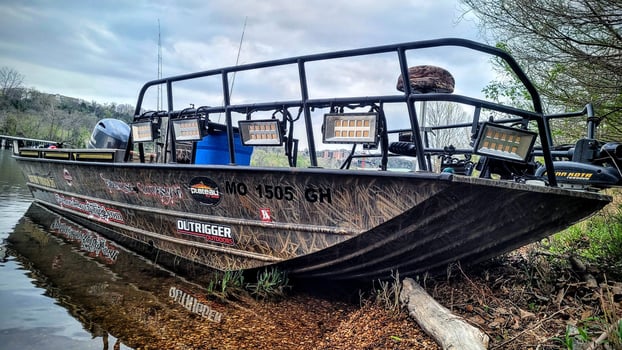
312, 222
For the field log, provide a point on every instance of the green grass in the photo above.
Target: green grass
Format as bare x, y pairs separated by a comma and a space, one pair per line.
597, 240
271, 284
226, 284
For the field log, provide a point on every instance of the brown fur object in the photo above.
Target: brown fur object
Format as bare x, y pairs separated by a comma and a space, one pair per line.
426, 79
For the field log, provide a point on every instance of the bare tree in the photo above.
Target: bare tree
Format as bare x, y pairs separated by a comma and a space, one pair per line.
445, 113
439, 114
571, 49
10, 83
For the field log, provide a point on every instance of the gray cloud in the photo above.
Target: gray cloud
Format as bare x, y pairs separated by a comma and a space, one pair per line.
105, 50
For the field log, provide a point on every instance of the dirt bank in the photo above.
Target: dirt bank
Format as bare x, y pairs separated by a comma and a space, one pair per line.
520, 303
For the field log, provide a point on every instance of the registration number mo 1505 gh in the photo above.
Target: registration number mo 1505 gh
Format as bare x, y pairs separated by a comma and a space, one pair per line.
278, 192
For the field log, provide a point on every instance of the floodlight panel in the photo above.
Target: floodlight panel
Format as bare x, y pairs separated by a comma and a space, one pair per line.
350, 128
503, 142
142, 132
187, 129
260, 132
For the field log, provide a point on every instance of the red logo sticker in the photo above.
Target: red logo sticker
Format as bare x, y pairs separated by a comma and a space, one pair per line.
265, 215
67, 176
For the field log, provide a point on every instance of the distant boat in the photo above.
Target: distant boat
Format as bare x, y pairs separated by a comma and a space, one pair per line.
178, 182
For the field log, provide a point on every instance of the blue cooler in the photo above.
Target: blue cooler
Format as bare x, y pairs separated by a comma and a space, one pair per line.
213, 149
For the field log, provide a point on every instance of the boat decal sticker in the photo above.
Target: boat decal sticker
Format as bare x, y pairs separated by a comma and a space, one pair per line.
166, 194
265, 214
568, 175
95, 210
42, 180
204, 190
101, 290
211, 232
67, 176
193, 305
95, 245
118, 186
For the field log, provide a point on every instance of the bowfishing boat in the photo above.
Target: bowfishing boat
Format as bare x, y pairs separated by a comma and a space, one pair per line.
180, 182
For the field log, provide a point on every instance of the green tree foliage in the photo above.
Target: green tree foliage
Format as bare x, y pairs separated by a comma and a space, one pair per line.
572, 50
34, 114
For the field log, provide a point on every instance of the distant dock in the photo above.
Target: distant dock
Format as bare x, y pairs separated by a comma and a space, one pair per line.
16, 142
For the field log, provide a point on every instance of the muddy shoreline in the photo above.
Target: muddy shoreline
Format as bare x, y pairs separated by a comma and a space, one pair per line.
521, 301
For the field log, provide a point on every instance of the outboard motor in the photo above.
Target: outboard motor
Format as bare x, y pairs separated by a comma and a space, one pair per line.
110, 133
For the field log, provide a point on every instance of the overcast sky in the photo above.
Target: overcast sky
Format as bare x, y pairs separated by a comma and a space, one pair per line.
105, 50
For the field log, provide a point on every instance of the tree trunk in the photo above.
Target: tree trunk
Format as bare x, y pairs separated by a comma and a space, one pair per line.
449, 331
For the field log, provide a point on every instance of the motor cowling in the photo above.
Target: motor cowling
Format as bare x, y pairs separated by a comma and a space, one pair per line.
584, 175
110, 133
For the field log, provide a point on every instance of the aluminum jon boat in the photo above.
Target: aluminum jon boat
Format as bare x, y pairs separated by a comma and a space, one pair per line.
180, 182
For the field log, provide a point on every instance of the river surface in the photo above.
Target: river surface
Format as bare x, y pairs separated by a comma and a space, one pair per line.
32, 314
35, 313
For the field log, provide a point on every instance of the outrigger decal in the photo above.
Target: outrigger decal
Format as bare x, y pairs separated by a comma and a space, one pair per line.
211, 232
204, 190
193, 305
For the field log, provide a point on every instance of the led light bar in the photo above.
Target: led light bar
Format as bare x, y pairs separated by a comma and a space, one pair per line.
187, 129
350, 128
260, 132
142, 132
503, 142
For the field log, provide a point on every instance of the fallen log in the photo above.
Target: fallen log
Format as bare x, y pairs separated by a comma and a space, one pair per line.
448, 330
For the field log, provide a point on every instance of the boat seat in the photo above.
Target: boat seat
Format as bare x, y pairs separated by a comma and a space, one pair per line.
428, 79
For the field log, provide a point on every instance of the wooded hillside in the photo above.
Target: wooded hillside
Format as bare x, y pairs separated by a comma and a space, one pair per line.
34, 114
54, 117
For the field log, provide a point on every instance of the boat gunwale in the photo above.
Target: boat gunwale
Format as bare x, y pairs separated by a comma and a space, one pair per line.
423, 175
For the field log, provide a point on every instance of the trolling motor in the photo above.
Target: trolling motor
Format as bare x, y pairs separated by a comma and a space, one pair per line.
591, 163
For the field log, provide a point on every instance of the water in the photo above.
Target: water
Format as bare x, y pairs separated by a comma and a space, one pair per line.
30, 318
63, 286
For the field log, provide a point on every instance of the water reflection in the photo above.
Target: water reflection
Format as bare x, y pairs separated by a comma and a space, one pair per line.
63, 286
69, 267
31, 317
14, 195
114, 293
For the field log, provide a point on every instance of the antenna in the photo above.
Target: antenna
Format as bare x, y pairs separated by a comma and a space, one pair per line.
159, 102
237, 59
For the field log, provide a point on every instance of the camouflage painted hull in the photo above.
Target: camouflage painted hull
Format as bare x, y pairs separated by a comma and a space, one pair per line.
313, 222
